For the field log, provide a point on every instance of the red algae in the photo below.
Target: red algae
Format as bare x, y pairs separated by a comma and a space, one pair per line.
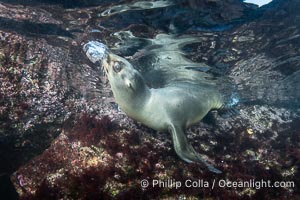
111, 162
46, 79
89, 130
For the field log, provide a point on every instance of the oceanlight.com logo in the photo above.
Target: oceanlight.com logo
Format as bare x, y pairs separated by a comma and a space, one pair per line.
200, 183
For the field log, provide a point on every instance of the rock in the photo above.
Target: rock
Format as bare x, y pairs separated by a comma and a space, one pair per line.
54, 100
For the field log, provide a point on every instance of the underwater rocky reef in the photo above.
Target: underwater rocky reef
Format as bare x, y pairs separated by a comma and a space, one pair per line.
62, 135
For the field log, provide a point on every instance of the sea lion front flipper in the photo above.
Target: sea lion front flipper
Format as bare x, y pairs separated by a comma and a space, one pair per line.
185, 151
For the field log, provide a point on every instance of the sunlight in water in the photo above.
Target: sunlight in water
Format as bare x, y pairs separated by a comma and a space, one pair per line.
258, 2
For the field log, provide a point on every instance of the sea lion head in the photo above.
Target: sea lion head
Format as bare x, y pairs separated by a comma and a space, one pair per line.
124, 79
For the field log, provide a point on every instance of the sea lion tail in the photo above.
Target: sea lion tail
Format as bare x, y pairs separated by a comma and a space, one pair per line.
185, 150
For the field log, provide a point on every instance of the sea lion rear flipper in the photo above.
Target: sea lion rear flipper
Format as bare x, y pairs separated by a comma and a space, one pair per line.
185, 151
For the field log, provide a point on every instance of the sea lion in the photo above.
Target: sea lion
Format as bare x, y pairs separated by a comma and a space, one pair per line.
172, 108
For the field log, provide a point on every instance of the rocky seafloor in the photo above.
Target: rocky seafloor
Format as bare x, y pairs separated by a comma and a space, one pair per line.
62, 135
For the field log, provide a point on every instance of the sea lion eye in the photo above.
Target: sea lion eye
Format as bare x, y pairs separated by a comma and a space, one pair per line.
117, 67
